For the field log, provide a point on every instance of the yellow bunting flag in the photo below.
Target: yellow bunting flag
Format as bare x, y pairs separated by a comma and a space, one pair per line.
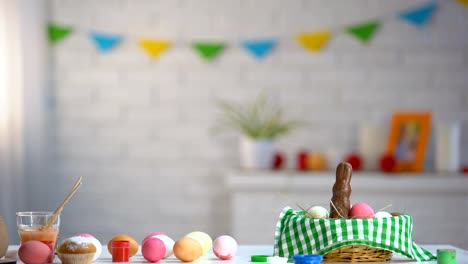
314, 42
463, 2
154, 47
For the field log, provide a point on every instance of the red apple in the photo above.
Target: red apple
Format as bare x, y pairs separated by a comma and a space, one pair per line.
301, 160
387, 163
355, 160
465, 169
278, 161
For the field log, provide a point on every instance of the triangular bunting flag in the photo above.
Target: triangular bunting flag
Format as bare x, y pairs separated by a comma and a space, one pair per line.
314, 41
208, 50
57, 33
419, 16
365, 31
259, 48
463, 2
105, 42
154, 47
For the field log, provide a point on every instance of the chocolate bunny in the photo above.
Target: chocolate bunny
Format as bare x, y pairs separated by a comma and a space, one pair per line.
340, 203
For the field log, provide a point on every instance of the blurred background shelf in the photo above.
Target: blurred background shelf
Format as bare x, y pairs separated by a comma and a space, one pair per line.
438, 203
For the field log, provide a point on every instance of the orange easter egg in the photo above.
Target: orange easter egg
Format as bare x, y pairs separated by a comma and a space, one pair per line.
187, 249
317, 161
133, 244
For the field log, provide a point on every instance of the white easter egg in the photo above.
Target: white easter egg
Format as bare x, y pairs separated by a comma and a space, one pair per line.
168, 242
382, 214
318, 212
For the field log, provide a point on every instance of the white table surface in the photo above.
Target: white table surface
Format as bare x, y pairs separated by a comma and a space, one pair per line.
245, 251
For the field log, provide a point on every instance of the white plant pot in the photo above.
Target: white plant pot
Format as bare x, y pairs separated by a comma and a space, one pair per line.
256, 154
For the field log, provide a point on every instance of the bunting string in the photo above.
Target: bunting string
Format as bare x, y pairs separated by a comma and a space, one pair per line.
260, 48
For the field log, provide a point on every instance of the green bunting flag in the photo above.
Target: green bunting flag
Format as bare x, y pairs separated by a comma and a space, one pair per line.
57, 33
208, 50
364, 31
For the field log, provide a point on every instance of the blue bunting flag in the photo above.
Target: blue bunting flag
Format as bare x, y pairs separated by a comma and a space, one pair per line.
105, 42
259, 48
419, 16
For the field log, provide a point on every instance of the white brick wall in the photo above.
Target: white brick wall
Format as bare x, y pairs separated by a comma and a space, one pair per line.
138, 129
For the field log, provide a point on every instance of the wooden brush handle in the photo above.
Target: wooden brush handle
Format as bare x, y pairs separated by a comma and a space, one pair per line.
57, 211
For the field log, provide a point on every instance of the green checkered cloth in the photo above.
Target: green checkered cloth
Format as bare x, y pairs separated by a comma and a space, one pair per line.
296, 234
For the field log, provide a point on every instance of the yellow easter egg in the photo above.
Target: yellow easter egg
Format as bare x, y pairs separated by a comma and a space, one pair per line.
204, 239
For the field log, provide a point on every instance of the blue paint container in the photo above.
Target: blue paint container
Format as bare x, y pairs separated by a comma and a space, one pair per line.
307, 259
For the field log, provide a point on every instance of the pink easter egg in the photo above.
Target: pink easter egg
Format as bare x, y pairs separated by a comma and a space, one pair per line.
225, 247
361, 210
85, 235
151, 235
34, 252
153, 249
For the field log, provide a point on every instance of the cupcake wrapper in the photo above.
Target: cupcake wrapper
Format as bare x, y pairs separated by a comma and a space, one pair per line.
76, 258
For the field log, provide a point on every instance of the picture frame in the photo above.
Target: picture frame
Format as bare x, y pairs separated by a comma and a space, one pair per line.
408, 140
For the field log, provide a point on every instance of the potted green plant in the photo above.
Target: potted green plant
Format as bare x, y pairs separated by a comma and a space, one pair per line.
260, 123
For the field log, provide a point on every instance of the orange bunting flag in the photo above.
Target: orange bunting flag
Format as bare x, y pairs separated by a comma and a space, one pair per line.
154, 47
463, 2
314, 42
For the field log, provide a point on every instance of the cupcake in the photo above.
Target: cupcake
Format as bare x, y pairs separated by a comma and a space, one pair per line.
76, 250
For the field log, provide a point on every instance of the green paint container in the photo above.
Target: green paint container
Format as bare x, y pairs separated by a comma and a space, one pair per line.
446, 256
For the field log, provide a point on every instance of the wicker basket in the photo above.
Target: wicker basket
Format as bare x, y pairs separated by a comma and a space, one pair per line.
358, 253
365, 240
